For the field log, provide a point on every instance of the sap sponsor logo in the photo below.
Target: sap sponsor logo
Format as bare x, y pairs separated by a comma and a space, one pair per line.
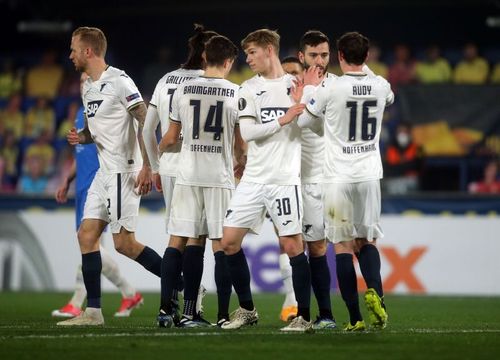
92, 107
242, 104
270, 114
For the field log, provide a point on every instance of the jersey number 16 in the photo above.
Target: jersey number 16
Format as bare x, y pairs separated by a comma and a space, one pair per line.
368, 124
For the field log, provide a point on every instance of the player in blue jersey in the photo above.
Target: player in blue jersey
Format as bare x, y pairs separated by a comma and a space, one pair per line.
83, 169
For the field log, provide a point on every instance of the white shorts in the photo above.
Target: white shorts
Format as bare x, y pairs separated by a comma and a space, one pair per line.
250, 202
313, 226
112, 198
198, 211
167, 184
352, 211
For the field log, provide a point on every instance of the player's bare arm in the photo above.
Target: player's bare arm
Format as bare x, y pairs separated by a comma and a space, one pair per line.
239, 151
144, 180
171, 137
82, 137
62, 190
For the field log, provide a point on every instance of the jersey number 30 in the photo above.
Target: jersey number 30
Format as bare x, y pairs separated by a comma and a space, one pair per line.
368, 124
213, 122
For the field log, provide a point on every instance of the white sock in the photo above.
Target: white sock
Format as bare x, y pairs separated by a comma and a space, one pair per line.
80, 292
111, 271
286, 275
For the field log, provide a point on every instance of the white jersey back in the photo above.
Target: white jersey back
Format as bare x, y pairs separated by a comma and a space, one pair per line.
208, 111
162, 99
106, 102
274, 159
313, 149
354, 106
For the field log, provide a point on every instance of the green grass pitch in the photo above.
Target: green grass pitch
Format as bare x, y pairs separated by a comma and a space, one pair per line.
420, 327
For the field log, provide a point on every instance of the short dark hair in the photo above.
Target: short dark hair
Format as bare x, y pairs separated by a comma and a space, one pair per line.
218, 49
354, 47
292, 59
196, 44
312, 38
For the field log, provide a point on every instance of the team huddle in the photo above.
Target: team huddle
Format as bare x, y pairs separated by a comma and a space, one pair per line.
303, 144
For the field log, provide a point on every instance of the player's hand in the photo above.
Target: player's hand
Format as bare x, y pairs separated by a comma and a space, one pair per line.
297, 90
157, 182
291, 114
62, 192
313, 76
144, 181
72, 137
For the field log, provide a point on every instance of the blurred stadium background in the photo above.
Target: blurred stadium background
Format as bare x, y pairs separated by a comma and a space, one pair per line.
440, 143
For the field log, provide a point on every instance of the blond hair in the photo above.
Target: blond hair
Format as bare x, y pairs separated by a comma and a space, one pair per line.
262, 38
93, 37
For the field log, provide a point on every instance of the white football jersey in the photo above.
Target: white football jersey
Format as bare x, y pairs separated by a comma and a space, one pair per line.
106, 102
207, 108
353, 107
162, 100
313, 148
274, 159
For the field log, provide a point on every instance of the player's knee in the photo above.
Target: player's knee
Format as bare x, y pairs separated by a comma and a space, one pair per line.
292, 248
317, 248
86, 239
229, 247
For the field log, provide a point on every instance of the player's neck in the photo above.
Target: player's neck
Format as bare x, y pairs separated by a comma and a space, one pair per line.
96, 68
274, 71
214, 72
351, 68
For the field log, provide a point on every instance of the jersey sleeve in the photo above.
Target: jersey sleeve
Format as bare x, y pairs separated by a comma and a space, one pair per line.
317, 103
174, 111
155, 97
389, 99
246, 104
127, 91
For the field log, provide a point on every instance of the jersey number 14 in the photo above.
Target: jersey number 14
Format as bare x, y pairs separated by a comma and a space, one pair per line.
213, 122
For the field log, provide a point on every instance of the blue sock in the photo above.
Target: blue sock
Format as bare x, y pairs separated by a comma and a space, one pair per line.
150, 260
240, 277
192, 268
91, 269
320, 280
171, 268
223, 283
301, 278
346, 275
369, 263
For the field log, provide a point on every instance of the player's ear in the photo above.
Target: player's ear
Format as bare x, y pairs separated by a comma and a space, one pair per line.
301, 56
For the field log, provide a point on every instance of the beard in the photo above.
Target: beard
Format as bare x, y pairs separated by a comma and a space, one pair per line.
324, 70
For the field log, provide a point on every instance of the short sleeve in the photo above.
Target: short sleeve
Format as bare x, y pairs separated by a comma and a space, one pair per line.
127, 91
174, 111
246, 104
317, 104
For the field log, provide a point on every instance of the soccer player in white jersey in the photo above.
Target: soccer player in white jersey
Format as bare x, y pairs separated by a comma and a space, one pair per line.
315, 53
164, 169
112, 102
353, 106
271, 180
206, 110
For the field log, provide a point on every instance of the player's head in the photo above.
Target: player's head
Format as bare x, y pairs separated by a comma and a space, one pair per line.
352, 49
220, 52
261, 47
293, 66
315, 50
196, 44
87, 43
